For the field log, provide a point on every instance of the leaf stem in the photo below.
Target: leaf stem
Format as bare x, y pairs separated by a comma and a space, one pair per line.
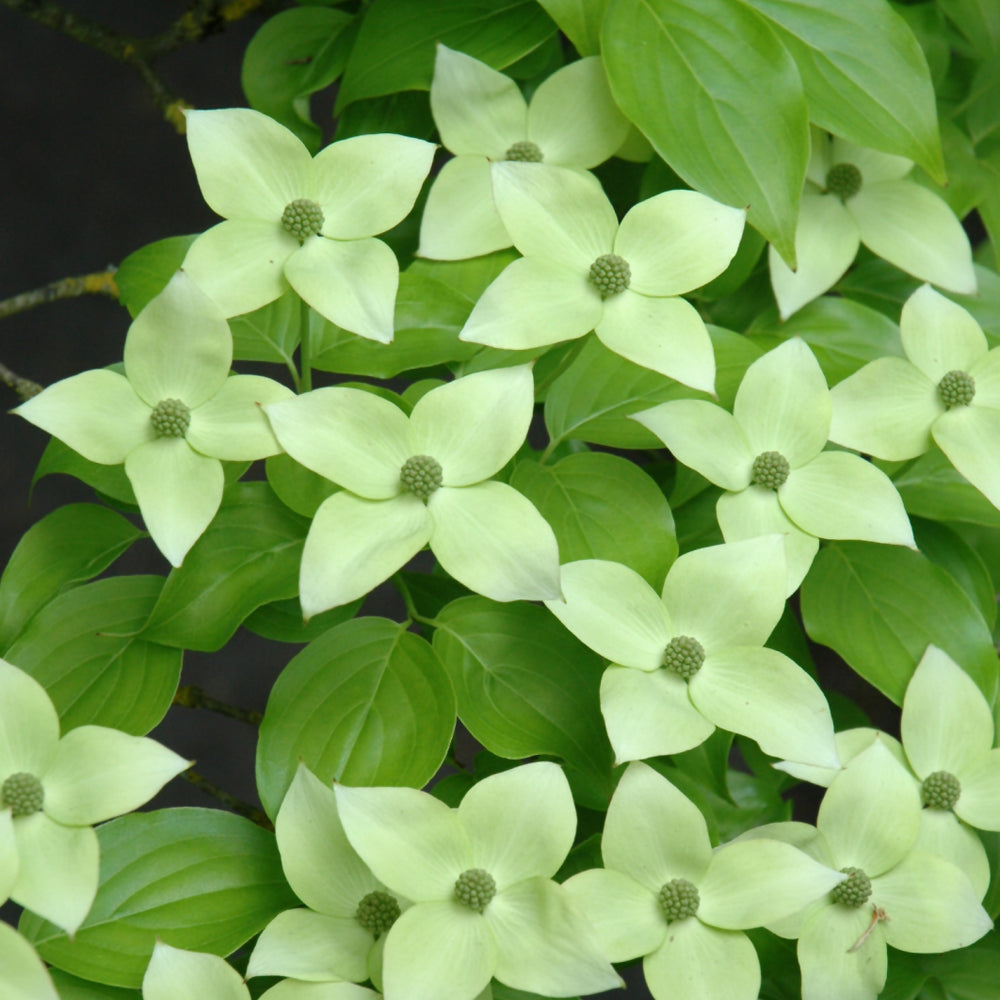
411, 608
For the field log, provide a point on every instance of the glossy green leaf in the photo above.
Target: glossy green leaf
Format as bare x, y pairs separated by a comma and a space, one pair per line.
72, 544
526, 686
931, 487
580, 21
108, 480
248, 556
294, 54
601, 506
865, 75
298, 488
978, 21
735, 124
983, 112
199, 879
880, 606
282, 621
395, 44
367, 703
950, 551
85, 649
843, 335
270, 333
594, 397
143, 274
72, 988
434, 300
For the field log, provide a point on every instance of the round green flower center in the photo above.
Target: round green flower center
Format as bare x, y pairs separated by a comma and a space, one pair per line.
956, 388
679, 899
475, 888
854, 890
377, 912
22, 793
843, 180
524, 152
940, 790
684, 656
302, 218
770, 470
170, 418
611, 274
421, 476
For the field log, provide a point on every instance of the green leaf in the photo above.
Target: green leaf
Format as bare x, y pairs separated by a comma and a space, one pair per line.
865, 75
72, 544
981, 114
108, 480
735, 123
931, 487
270, 333
434, 300
405, 113
298, 488
950, 551
367, 703
880, 606
282, 621
395, 44
248, 556
843, 335
526, 686
85, 649
978, 21
580, 21
144, 273
601, 506
199, 879
71, 988
594, 397
294, 54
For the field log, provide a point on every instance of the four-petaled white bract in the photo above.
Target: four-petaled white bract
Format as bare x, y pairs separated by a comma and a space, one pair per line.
511, 832
719, 604
23, 975
897, 219
177, 357
564, 225
768, 454
178, 974
53, 790
483, 533
571, 121
654, 838
252, 171
946, 393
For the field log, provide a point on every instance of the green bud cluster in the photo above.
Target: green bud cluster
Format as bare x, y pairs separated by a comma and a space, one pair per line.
524, 151
843, 180
302, 218
475, 888
377, 912
170, 418
611, 274
940, 790
420, 475
679, 899
22, 793
770, 470
854, 890
684, 656
956, 388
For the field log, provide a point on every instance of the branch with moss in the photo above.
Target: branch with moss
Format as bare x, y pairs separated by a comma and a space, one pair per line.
98, 283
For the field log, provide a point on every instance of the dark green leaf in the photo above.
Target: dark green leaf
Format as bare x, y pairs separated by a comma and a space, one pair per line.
71, 988
880, 606
395, 45
144, 273
526, 686
978, 20
248, 556
734, 123
108, 480
865, 75
270, 333
367, 703
72, 544
601, 506
282, 621
199, 879
294, 54
932, 488
85, 649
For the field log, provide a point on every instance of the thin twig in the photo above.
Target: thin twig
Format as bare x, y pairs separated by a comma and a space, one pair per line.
192, 696
24, 387
252, 813
98, 283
